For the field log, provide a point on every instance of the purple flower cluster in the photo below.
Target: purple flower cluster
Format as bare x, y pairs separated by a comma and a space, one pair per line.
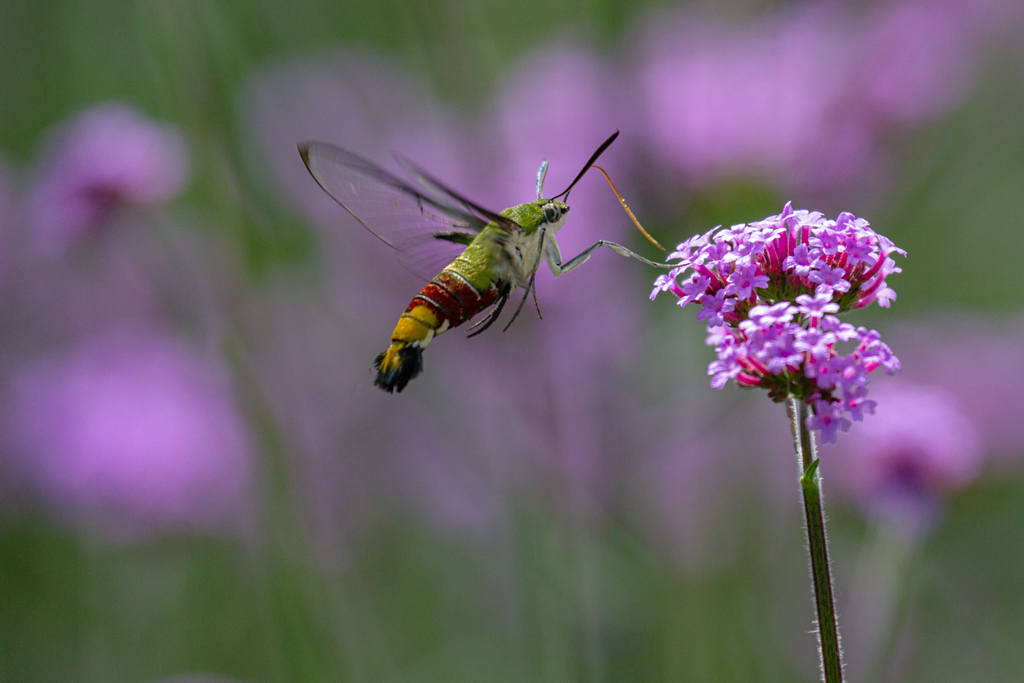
108, 156
770, 293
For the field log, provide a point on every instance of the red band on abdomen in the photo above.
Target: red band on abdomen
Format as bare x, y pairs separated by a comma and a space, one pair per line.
451, 297
442, 302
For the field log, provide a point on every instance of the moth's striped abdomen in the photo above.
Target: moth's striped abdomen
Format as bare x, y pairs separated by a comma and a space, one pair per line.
446, 301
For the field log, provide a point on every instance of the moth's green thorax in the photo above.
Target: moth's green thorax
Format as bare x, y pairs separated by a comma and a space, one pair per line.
484, 255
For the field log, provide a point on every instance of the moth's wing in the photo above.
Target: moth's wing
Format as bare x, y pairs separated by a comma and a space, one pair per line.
427, 254
454, 198
426, 231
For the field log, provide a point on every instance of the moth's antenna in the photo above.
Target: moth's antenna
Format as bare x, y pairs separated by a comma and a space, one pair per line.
593, 158
542, 172
626, 207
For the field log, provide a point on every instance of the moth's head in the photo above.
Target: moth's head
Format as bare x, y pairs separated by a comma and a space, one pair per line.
554, 213
547, 213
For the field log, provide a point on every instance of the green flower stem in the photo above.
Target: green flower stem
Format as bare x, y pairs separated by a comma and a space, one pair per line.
828, 630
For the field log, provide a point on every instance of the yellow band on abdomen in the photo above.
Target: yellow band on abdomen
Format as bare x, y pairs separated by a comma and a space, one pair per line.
416, 325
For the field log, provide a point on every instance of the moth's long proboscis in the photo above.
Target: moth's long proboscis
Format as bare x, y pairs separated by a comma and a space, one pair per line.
628, 211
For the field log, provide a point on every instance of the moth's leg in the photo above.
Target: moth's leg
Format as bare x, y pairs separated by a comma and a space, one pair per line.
557, 267
492, 315
531, 285
535, 304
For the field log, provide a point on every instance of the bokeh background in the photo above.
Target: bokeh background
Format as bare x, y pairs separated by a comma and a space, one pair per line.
198, 480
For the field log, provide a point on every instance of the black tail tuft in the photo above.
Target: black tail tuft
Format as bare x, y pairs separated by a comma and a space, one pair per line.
404, 367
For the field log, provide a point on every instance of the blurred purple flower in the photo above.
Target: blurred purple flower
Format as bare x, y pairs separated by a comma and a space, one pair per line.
133, 433
982, 365
915, 62
904, 461
105, 157
722, 100
918, 57
803, 99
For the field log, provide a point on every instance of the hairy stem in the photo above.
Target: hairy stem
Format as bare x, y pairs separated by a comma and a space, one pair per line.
828, 630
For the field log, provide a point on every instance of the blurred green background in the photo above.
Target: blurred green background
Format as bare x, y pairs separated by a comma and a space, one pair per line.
353, 560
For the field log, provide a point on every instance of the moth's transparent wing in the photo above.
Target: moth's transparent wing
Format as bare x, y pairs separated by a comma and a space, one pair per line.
426, 255
427, 232
440, 189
